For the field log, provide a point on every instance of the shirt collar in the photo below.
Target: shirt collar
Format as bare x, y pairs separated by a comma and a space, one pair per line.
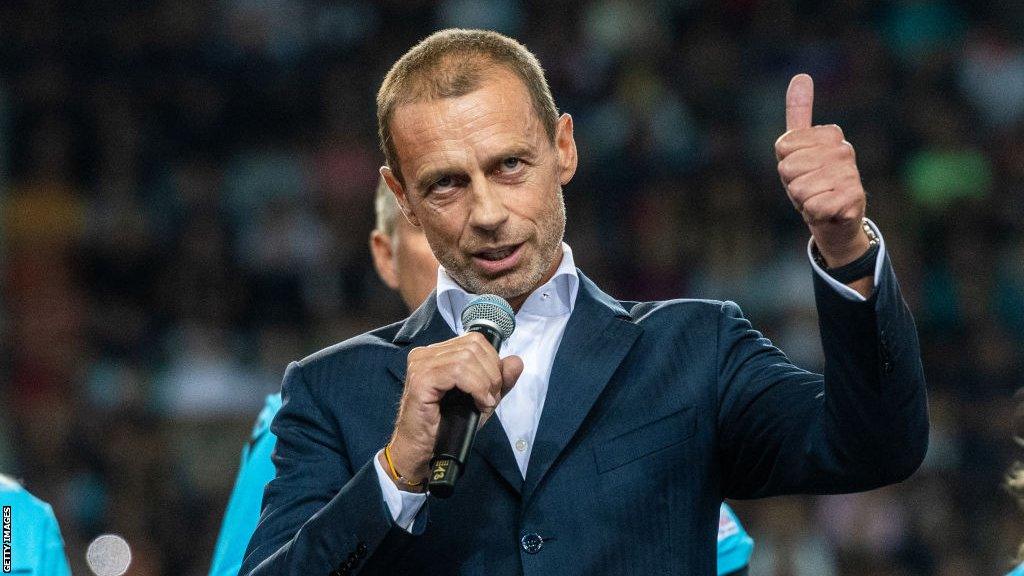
556, 297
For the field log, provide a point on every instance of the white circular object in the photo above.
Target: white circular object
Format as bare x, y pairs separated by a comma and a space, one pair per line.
108, 555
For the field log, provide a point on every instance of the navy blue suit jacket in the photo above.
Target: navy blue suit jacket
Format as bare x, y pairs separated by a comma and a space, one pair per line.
655, 412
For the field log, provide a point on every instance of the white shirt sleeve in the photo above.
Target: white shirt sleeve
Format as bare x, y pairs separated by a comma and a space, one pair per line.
844, 290
404, 506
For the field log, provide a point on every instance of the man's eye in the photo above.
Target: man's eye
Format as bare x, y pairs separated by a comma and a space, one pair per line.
511, 163
442, 185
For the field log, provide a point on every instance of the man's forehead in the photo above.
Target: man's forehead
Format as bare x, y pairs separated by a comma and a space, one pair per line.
489, 120
501, 95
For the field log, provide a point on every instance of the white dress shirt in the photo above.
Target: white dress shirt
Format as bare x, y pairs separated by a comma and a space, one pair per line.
540, 323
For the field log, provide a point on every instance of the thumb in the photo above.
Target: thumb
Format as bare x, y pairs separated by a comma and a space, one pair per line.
511, 369
799, 102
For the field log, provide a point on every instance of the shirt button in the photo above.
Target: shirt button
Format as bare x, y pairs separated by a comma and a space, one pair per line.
522, 445
531, 542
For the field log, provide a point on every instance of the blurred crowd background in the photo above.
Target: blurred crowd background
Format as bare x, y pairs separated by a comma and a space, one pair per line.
185, 198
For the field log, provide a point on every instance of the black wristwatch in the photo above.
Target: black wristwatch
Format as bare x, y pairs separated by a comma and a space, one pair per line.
859, 268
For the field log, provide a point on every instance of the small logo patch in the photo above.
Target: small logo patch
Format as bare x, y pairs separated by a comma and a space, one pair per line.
440, 469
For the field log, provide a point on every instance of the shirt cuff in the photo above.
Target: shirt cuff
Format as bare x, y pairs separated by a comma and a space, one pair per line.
844, 290
404, 506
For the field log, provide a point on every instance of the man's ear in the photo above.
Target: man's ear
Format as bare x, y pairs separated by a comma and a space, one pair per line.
399, 191
565, 144
384, 258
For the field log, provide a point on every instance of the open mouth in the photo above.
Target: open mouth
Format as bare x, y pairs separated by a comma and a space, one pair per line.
498, 259
497, 253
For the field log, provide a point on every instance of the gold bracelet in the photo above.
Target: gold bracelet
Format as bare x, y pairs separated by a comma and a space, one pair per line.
394, 473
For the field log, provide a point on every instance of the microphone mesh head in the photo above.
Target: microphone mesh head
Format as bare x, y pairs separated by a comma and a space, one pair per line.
493, 308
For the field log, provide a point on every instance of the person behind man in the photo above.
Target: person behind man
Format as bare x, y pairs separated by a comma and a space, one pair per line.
404, 263
36, 546
620, 427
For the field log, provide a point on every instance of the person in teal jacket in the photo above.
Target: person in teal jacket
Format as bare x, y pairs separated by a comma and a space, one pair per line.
405, 264
35, 546
735, 546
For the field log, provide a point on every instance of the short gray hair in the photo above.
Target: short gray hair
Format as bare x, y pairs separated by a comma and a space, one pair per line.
452, 63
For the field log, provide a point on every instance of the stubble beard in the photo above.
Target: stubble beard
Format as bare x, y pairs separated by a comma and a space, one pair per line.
521, 282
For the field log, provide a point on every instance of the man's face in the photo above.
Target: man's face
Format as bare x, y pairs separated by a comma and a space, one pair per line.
483, 180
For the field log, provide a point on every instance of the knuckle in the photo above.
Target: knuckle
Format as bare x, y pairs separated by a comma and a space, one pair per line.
780, 145
786, 169
456, 370
798, 191
485, 402
481, 345
812, 206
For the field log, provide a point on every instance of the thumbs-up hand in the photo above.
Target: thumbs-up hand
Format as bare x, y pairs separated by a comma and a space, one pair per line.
819, 170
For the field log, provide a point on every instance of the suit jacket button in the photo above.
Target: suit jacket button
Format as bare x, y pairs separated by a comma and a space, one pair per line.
531, 542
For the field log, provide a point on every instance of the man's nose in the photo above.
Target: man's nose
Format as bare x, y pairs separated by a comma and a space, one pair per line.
489, 211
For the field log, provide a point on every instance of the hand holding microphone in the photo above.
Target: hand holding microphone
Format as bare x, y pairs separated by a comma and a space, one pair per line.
466, 369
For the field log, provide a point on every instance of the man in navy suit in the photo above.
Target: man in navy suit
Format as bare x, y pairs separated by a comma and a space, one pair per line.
405, 264
611, 430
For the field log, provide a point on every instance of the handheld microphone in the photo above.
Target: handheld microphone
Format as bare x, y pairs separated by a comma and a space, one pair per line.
491, 316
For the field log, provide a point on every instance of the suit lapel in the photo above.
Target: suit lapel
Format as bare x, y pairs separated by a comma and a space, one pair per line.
426, 326
492, 443
597, 338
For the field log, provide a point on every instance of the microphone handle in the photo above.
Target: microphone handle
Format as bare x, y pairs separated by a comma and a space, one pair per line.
459, 419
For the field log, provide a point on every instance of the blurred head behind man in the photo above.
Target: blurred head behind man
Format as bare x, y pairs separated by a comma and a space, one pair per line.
400, 252
477, 156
